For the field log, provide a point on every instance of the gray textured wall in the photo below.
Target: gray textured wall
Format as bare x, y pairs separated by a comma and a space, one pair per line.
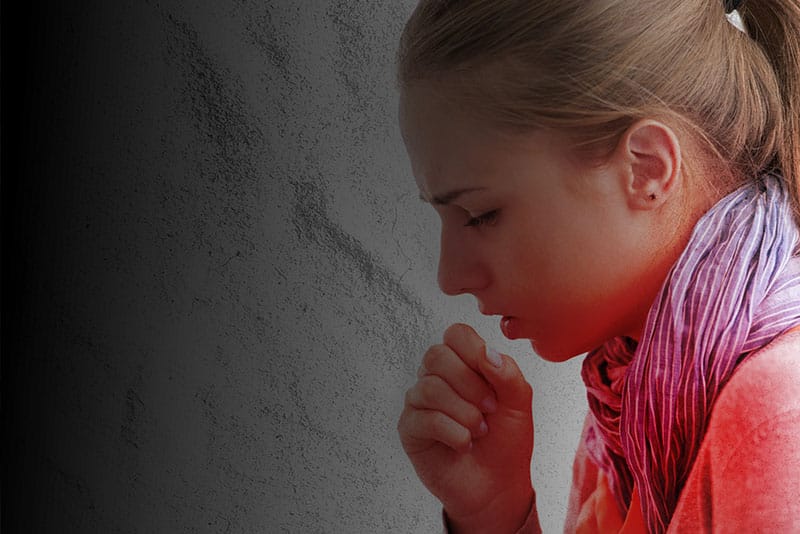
231, 281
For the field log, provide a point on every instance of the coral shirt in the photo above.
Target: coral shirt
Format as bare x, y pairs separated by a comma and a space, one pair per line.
746, 477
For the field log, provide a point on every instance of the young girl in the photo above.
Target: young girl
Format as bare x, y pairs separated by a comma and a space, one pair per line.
617, 177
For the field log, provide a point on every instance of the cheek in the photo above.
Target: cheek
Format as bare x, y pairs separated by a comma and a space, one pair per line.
551, 250
557, 283
545, 256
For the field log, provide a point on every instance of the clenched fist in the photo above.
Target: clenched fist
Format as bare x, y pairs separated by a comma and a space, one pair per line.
467, 428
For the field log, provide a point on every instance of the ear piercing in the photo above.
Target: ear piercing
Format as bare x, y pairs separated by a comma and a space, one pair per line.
652, 196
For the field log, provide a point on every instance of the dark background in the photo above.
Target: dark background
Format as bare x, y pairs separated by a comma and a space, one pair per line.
217, 280
43, 218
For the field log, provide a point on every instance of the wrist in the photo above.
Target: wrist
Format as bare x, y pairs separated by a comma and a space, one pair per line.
507, 513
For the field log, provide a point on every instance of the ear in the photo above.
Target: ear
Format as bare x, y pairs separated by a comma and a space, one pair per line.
651, 157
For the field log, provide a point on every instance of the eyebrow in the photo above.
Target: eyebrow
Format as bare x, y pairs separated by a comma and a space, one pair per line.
450, 196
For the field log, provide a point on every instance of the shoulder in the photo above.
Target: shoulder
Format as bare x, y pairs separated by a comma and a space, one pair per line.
746, 476
765, 384
762, 394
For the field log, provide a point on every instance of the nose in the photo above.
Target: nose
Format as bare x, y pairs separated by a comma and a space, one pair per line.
461, 266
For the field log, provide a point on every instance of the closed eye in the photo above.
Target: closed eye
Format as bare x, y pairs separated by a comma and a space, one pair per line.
487, 218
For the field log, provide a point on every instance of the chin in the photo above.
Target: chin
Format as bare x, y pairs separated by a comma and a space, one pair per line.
552, 353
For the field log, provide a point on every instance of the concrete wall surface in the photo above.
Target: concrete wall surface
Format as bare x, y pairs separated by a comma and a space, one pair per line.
226, 278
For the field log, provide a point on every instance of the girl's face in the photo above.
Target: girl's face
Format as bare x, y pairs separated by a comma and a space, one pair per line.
547, 243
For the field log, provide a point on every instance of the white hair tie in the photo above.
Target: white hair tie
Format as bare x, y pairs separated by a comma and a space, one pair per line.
733, 16
736, 19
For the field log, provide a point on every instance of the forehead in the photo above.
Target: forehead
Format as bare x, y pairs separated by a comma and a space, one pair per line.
450, 149
427, 118
446, 146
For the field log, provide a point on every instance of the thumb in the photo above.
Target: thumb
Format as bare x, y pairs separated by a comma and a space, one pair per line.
504, 375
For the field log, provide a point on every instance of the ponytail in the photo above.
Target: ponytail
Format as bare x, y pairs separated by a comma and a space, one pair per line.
775, 26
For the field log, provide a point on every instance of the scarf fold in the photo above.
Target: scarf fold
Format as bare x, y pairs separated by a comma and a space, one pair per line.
735, 288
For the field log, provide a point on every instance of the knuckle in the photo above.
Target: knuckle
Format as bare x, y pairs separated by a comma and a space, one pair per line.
439, 423
422, 371
404, 423
457, 331
434, 357
428, 388
409, 397
474, 417
442, 425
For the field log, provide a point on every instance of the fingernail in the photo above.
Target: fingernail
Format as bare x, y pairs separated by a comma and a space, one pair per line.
494, 357
488, 405
484, 429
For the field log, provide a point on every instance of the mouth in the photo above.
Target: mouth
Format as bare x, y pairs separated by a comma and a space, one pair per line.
509, 324
510, 327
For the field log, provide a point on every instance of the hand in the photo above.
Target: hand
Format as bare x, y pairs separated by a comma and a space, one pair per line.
467, 428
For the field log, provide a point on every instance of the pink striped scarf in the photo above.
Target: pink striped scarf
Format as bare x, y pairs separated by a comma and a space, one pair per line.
731, 292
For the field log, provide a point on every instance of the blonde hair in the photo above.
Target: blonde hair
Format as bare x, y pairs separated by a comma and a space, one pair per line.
592, 68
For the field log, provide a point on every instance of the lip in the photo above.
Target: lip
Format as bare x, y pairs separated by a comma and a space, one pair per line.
510, 326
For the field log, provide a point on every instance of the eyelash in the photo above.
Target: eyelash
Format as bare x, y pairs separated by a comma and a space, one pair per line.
486, 218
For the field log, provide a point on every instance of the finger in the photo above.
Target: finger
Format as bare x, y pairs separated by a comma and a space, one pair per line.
442, 361
433, 393
420, 428
466, 343
505, 377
